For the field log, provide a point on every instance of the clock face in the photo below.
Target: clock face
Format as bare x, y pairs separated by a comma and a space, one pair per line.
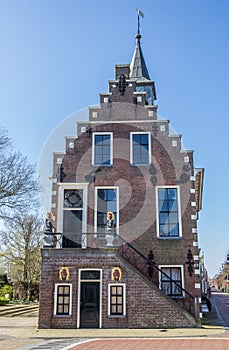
73, 199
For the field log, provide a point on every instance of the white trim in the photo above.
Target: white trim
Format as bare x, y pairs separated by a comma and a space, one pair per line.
128, 121
55, 299
131, 146
74, 186
124, 298
111, 147
100, 293
182, 276
179, 212
117, 205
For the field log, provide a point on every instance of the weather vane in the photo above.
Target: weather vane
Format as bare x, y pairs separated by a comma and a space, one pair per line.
140, 13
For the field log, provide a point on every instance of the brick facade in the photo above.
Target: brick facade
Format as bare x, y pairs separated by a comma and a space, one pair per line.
122, 114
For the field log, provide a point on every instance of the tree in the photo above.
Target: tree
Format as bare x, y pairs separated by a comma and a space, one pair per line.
18, 187
21, 241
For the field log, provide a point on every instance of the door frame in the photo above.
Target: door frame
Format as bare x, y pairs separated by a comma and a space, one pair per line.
75, 186
79, 293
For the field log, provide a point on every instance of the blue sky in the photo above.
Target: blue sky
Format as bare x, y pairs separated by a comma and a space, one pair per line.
56, 56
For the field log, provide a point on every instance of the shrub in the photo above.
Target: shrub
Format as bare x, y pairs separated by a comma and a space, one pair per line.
4, 301
6, 289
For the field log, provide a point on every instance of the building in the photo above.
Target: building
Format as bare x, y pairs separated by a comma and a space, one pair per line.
221, 280
121, 242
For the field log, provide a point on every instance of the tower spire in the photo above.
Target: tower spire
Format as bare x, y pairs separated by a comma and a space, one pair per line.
138, 69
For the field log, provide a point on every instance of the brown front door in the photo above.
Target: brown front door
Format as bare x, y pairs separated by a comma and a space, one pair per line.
89, 305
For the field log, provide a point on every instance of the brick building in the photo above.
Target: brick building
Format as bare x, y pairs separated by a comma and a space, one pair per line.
121, 242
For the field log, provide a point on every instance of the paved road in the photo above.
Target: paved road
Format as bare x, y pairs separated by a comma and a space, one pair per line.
221, 303
152, 344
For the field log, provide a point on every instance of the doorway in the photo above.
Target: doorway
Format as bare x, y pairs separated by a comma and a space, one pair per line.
89, 311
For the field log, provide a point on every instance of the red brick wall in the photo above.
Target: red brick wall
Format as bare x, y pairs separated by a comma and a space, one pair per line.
146, 306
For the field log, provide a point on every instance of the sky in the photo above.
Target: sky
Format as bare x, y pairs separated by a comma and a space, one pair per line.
57, 56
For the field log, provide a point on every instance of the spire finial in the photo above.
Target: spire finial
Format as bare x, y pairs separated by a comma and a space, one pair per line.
140, 13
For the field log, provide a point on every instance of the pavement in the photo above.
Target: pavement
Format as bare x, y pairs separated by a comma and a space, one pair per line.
21, 333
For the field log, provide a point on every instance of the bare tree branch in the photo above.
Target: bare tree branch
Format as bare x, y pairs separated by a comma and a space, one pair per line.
18, 187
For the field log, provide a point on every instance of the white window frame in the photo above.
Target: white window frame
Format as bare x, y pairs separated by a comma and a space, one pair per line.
55, 299
131, 146
96, 205
111, 147
109, 299
182, 277
179, 212
73, 186
79, 293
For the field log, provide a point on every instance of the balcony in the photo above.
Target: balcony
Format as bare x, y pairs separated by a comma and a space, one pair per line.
80, 240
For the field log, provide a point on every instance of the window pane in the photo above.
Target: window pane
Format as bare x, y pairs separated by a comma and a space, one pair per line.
63, 300
116, 300
140, 148
161, 194
119, 309
172, 193
119, 290
60, 290
102, 150
168, 212
173, 218
172, 286
144, 139
60, 309
119, 300
106, 202
113, 309
72, 222
136, 138
73, 198
163, 218
174, 230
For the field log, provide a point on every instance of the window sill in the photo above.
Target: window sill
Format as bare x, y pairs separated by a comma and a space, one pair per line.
62, 316
169, 237
116, 316
102, 165
138, 165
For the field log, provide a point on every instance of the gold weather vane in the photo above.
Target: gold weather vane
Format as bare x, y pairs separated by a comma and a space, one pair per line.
140, 13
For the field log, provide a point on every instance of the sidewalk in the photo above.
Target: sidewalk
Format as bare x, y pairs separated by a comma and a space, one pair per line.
16, 332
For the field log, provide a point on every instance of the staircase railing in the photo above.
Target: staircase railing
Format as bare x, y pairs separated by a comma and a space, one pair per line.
146, 266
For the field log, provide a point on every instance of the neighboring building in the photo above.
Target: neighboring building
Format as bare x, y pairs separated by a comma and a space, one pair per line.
221, 281
125, 203
205, 287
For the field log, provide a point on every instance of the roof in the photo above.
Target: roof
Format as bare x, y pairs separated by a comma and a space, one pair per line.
138, 69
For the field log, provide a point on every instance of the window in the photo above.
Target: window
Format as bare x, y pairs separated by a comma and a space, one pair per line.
102, 149
72, 217
106, 207
140, 149
168, 212
117, 300
63, 299
171, 281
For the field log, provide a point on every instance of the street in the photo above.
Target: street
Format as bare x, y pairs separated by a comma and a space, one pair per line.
151, 344
220, 302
